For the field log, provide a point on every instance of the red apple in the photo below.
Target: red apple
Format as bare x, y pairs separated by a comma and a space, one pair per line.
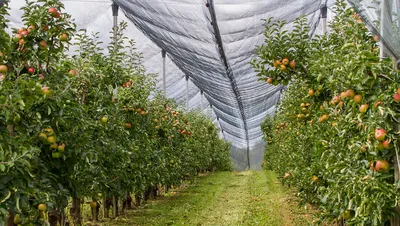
386, 144
335, 100
31, 70
285, 61
378, 103
20, 30
311, 92
350, 93
277, 63
270, 80
24, 33
292, 64
72, 72
46, 91
17, 37
357, 99
21, 42
283, 67
3, 68
381, 166
42, 44
53, 11
128, 125
396, 97
380, 134
343, 95
63, 37
363, 108
31, 28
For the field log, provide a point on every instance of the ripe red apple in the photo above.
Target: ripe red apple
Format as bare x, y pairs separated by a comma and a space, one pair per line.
188, 133
285, 61
323, 118
343, 95
292, 64
286, 175
335, 100
363, 108
357, 99
350, 93
17, 37
386, 144
61, 148
31, 70
20, 30
380, 134
270, 80
63, 37
364, 148
128, 125
3, 68
42, 44
58, 15
53, 11
396, 97
300, 116
381, 166
277, 63
46, 91
24, 33
31, 28
311, 92
378, 103
72, 72
283, 67
21, 42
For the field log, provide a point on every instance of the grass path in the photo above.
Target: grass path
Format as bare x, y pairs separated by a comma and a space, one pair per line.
223, 198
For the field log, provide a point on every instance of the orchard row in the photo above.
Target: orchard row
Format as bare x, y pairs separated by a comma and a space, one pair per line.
335, 134
87, 124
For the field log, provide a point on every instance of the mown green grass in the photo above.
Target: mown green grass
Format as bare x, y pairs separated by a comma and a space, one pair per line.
223, 198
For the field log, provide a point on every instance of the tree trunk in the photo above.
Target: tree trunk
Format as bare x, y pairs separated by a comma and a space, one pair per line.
127, 203
115, 207
105, 207
95, 212
137, 200
10, 219
75, 211
54, 217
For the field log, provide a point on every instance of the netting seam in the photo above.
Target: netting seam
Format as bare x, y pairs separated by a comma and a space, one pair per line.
229, 72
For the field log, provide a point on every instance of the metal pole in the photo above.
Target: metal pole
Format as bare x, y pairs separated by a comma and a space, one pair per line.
115, 8
163, 54
324, 12
201, 100
187, 93
383, 22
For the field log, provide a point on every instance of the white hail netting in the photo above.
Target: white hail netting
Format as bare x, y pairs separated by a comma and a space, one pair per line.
382, 18
212, 45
